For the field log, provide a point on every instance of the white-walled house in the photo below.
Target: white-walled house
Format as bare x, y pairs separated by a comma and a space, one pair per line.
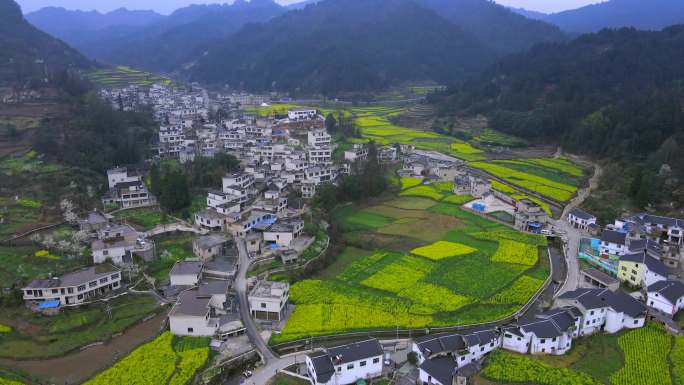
302, 113
284, 233
185, 273
75, 287
666, 296
345, 364
604, 310
116, 251
465, 349
550, 333
319, 138
197, 311
581, 219
268, 299
613, 243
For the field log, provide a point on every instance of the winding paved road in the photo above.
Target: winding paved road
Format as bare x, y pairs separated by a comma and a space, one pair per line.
241, 289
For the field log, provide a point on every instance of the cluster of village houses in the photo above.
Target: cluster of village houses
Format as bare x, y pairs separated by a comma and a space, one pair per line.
296, 154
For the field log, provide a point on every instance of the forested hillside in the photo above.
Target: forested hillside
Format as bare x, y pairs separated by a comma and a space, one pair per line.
499, 28
338, 45
27, 54
335, 46
616, 94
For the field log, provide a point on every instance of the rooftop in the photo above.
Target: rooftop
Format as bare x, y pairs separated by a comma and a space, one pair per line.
75, 278
269, 289
186, 267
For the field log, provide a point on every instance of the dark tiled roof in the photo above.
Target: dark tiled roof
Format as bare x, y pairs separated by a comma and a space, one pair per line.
598, 298
671, 290
322, 366
190, 304
613, 237
581, 214
76, 278
542, 329
355, 351
600, 276
441, 369
186, 267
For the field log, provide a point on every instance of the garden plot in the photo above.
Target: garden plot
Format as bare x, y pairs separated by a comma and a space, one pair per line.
449, 278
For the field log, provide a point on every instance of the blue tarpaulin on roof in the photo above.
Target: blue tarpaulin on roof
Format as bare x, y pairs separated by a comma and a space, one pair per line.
49, 304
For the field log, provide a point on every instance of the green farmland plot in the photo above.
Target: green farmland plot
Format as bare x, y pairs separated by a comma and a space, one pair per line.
553, 179
450, 276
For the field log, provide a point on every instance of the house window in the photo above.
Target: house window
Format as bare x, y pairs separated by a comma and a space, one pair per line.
463, 358
491, 344
350, 366
263, 305
543, 340
339, 369
636, 322
376, 360
191, 330
362, 363
591, 312
82, 287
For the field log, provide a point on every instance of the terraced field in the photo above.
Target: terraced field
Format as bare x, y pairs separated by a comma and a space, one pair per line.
375, 125
416, 261
121, 76
556, 179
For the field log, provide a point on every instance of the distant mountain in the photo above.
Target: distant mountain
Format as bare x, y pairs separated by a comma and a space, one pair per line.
529, 14
640, 14
351, 45
165, 45
77, 26
301, 4
501, 29
343, 45
616, 93
27, 53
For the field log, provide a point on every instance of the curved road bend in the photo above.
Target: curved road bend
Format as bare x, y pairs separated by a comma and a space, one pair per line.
573, 235
241, 289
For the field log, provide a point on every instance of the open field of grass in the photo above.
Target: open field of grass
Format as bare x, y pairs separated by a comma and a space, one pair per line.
39, 336
646, 356
497, 138
449, 277
121, 76
144, 218
165, 360
552, 179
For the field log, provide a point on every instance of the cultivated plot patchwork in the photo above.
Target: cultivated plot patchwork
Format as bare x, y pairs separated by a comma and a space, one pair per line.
450, 278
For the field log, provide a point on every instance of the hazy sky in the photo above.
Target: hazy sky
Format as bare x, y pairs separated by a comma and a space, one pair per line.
167, 6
